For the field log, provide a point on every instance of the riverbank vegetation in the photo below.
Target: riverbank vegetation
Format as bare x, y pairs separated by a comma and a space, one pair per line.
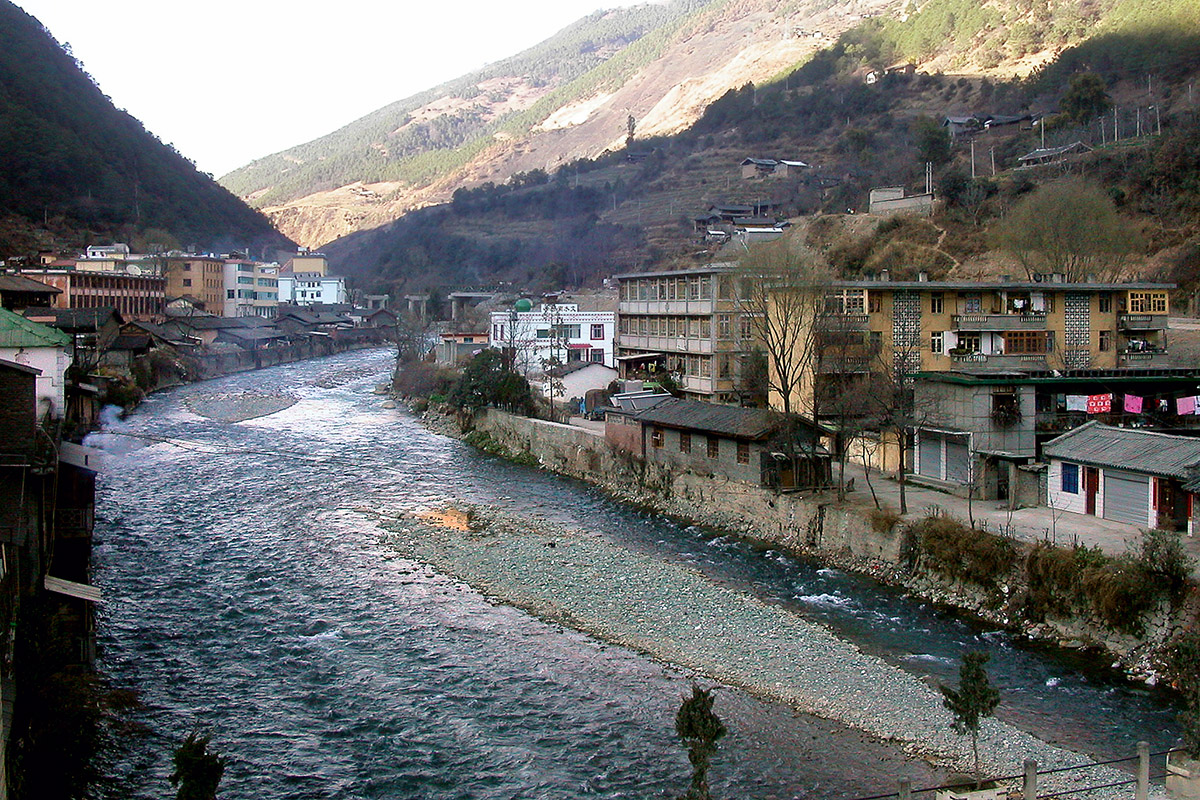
1045, 581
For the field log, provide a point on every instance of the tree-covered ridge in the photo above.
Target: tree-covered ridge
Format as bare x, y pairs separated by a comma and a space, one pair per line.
594, 53
66, 152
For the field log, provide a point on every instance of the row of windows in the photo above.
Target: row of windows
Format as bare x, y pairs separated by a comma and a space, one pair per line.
713, 444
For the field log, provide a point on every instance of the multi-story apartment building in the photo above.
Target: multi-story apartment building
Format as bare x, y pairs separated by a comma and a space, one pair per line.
200, 277
690, 322
251, 288
309, 288
987, 326
553, 334
139, 297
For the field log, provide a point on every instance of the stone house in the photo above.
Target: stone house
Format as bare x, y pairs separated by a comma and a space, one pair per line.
748, 445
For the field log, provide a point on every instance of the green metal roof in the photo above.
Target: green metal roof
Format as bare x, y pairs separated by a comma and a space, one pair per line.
16, 331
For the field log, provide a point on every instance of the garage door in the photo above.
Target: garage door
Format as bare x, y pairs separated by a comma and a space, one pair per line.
1126, 497
931, 455
958, 464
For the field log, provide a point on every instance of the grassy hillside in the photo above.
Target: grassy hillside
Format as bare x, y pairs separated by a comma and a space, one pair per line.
394, 145
67, 153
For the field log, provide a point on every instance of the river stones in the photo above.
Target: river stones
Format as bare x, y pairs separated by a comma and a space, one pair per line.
230, 407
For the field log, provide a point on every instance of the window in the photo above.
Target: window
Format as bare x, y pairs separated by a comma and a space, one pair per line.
875, 341
743, 452
1070, 478
656, 437
1147, 302
846, 301
724, 326
685, 442
229, 294
1104, 303
1025, 342
597, 355
187, 281
937, 303
746, 328
875, 303
544, 333
597, 332
969, 342
936, 342
1105, 341
714, 447
973, 303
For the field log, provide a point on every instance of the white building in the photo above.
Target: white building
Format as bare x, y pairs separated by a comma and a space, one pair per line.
553, 334
306, 288
251, 288
39, 347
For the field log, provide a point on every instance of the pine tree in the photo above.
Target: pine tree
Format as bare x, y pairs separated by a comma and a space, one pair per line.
198, 770
974, 699
699, 728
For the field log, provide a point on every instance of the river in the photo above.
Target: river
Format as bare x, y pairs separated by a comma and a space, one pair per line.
247, 592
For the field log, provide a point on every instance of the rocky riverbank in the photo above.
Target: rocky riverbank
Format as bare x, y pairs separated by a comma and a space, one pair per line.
679, 616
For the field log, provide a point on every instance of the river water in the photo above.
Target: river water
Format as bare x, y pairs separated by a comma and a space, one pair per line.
247, 593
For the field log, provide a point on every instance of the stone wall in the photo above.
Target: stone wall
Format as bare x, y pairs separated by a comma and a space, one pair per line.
797, 521
816, 526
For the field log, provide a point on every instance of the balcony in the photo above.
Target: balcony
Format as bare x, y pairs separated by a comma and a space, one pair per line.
843, 322
1000, 362
1000, 322
1144, 357
1142, 322
844, 366
666, 344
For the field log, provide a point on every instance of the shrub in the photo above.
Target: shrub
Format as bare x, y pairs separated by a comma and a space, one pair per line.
1162, 556
1185, 663
1116, 591
962, 553
884, 519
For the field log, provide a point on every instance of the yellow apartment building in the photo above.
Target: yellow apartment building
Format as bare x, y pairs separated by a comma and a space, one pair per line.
984, 327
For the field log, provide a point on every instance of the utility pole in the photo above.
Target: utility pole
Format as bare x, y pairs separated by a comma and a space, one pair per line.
1116, 135
972, 159
1139, 121
992, 151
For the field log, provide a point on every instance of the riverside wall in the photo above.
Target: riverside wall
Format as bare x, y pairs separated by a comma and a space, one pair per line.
815, 525
798, 521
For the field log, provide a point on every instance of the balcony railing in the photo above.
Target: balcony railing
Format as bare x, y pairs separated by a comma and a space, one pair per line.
1001, 361
1142, 322
1030, 321
833, 321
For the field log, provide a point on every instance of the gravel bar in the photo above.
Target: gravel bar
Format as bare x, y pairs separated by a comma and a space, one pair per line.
679, 616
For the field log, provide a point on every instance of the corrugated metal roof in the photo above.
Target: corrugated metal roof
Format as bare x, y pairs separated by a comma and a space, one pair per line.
1127, 448
16, 331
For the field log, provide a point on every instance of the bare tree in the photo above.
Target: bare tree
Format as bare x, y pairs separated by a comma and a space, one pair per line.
1071, 227
780, 294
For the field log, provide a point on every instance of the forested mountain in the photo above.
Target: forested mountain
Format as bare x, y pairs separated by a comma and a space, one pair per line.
71, 161
859, 125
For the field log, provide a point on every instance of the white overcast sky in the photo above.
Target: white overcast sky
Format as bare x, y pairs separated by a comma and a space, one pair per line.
228, 81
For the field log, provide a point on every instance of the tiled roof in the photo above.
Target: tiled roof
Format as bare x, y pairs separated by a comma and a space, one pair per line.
1127, 448
16, 331
19, 283
743, 423
75, 320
